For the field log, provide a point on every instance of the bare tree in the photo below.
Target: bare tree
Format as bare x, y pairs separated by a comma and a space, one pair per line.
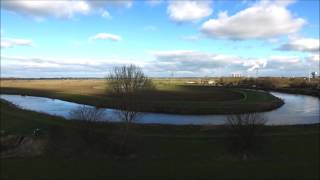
245, 132
90, 119
125, 82
88, 116
86, 113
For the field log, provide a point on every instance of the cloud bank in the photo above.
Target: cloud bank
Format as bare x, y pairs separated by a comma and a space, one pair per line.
181, 62
266, 19
61, 8
10, 43
197, 63
302, 44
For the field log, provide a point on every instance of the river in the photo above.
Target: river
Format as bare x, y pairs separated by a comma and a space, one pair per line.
298, 109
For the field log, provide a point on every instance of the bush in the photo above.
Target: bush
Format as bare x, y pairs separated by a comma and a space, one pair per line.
88, 114
244, 133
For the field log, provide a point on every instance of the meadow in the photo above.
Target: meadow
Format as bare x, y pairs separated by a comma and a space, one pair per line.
169, 96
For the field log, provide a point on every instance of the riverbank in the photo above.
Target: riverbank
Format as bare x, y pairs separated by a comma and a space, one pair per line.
301, 91
166, 98
309, 92
156, 151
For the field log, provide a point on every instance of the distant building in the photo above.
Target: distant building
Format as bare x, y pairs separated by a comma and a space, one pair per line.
212, 82
236, 75
207, 82
191, 82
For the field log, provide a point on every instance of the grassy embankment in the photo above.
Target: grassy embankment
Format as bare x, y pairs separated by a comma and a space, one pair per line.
156, 152
170, 96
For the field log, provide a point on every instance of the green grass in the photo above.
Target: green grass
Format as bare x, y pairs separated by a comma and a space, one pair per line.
156, 152
168, 97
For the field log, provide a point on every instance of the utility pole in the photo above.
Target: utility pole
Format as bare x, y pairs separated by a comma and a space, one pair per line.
257, 70
172, 76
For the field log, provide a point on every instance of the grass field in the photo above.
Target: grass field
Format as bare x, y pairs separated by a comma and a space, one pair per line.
156, 152
170, 96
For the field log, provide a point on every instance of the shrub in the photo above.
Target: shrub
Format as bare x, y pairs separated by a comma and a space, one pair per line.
244, 133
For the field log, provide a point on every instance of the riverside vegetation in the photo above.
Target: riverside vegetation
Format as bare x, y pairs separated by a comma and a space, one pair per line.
39, 146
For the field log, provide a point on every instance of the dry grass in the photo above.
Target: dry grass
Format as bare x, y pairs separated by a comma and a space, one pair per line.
82, 87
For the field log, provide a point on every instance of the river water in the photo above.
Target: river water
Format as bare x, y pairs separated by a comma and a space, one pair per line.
298, 109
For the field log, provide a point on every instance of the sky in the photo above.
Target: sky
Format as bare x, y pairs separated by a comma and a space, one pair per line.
185, 38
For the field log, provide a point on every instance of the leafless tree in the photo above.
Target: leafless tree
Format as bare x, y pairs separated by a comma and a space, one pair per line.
90, 118
245, 132
125, 82
88, 115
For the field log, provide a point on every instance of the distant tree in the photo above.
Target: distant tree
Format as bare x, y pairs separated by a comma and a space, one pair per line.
125, 82
245, 132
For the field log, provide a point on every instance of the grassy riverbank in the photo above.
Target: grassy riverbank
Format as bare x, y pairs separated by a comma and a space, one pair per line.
168, 96
156, 151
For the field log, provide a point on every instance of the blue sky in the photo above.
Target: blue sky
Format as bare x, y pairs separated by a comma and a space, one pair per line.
187, 38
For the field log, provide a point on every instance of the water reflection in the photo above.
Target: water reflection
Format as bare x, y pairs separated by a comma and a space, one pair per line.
298, 109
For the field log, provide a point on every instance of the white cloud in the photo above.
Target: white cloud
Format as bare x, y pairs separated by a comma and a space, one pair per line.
106, 36
9, 43
202, 63
302, 44
41, 9
284, 2
284, 59
181, 62
61, 9
106, 14
284, 63
72, 61
263, 20
314, 58
59, 67
191, 10
255, 64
